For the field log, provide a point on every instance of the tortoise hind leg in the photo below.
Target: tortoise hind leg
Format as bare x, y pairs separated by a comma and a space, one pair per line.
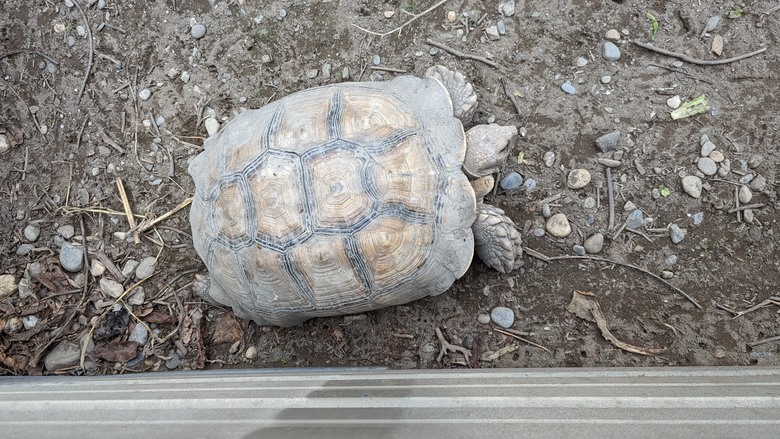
464, 100
496, 240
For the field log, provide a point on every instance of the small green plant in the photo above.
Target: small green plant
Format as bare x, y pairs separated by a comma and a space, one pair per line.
736, 13
665, 191
411, 7
653, 24
521, 157
704, 244
283, 360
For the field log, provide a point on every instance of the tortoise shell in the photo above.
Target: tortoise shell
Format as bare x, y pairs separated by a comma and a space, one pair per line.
334, 200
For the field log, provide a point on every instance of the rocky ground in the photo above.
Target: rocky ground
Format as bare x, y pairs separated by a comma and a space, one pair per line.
104, 103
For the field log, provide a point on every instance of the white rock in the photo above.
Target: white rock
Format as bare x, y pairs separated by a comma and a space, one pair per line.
558, 226
692, 185
251, 353
594, 243
111, 287
5, 145
212, 125
578, 178
146, 267
97, 268
7, 285
744, 195
674, 102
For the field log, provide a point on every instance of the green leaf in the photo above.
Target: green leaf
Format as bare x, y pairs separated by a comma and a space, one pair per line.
665, 191
521, 157
736, 13
653, 24
691, 108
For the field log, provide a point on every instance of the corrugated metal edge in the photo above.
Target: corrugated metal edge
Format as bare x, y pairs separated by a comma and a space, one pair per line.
559, 403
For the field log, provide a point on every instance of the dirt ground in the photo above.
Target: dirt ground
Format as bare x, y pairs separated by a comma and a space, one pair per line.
63, 150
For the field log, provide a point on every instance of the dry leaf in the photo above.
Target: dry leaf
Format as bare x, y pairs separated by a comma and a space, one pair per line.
116, 352
228, 330
717, 45
585, 306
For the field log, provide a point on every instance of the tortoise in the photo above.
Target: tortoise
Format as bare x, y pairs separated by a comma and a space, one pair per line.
349, 197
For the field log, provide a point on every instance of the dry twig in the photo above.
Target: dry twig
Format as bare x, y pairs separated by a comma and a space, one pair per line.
125, 202
449, 347
688, 59
747, 206
511, 334
611, 194
533, 253
764, 341
461, 54
406, 23
91, 52
510, 95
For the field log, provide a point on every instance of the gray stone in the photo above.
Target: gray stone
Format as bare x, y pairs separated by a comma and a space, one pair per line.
24, 249
717, 156
311, 74
137, 297
568, 88
608, 142
502, 316
507, 8
70, 40
755, 161
666, 274
492, 33
747, 178
198, 31
589, 203
32, 232
72, 257
629, 206
677, 233
707, 148
581, 61
610, 163
606, 79
707, 166
282, 13
146, 267
670, 260
377, 60
129, 268
558, 226
748, 216
67, 231
97, 268
175, 360
704, 139
698, 217
712, 23
111, 287
345, 73
101, 4
635, 220
609, 51
546, 210
759, 183
511, 181
692, 185
538, 232
578, 178
144, 94
483, 318
529, 185
549, 159
594, 243
578, 249
66, 354
139, 335
326, 70
501, 27
744, 195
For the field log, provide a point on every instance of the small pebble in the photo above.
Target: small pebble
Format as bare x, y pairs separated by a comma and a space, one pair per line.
67, 231
32, 232
579, 250
747, 178
608, 142
707, 166
676, 233
558, 226
549, 158
483, 318
501, 27
212, 125
81, 31
345, 73
311, 74
581, 61
70, 40
101, 4
589, 203
606, 79
610, 163
674, 102
706, 148
198, 31
29, 322
66, 354
748, 216
139, 335
185, 77
538, 232
492, 33
666, 274
282, 13
612, 35
389, 14
546, 210
609, 51
692, 185
251, 353
704, 139
377, 60
175, 360
755, 161
578, 178
326, 70
508, 8
529, 185
97, 268
594, 243
511, 181
635, 220
452, 16
724, 168
629, 206
433, 51
712, 23
717, 156
744, 195
146, 267
144, 94
72, 257
759, 183
655, 193
502, 316
111, 287
24, 249
568, 88
698, 217
670, 260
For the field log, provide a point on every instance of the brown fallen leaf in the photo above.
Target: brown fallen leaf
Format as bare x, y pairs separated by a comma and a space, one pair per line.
585, 306
717, 45
116, 352
228, 330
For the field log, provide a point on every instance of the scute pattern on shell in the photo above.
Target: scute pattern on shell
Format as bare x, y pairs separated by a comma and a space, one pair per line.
334, 200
